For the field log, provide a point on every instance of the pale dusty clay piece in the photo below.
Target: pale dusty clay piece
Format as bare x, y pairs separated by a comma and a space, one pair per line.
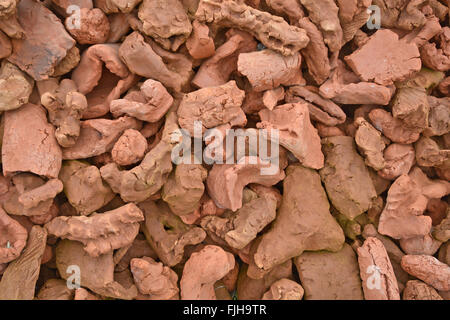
13, 238
442, 231
284, 289
69, 62
352, 16
377, 274
19, 279
303, 222
202, 270
399, 159
165, 21
84, 187
184, 188
154, 279
55, 289
397, 59
93, 26
226, 182
98, 136
29, 143
346, 177
45, 42
149, 104
426, 245
428, 153
102, 232
296, 133
370, 141
411, 106
65, 106
130, 148
439, 116
274, 32
15, 87
393, 128
267, 69
437, 58
417, 290
272, 97
330, 275
138, 249
428, 269
114, 6
166, 233
217, 70
200, 45
96, 273
212, 107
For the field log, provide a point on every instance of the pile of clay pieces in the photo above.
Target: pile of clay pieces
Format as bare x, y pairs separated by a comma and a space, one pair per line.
96, 97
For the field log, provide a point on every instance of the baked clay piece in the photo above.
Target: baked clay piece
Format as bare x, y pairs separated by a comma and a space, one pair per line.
202, 270
5, 45
98, 136
346, 177
239, 228
102, 85
417, 290
320, 109
130, 148
93, 26
398, 159
29, 143
45, 42
296, 133
154, 279
284, 289
114, 6
397, 59
267, 69
217, 70
148, 60
377, 274
428, 269
428, 153
146, 179
437, 58
55, 289
273, 31
345, 87
303, 222
65, 106
19, 279
96, 273
330, 275
13, 238
439, 116
165, 21
225, 182
411, 106
272, 97
83, 186
100, 233
200, 45
166, 233
15, 87
184, 188
370, 141
426, 245
149, 104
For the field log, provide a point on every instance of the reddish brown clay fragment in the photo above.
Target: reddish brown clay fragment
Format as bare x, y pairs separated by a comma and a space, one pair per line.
399, 159
428, 269
15, 87
428, 153
100, 233
417, 290
5, 46
130, 148
377, 274
200, 45
370, 141
439, 116
45, 41
202, 270
284, 289
154, 279
426, 245
13, 238
272, 31
29, 143
94, 27
272, 97
393, 128
296, 133
434, 58
397, 59
114, 6
55, 289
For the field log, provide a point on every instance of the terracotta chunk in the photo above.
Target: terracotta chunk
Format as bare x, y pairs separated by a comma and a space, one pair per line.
346, 178
15, 87
370, 141
377, 274
29, 143
45, 42
393, 128
417, 290
13, 238
272, 31
399, 159
296, 229
296, 133
100, 233
200, 45
439, 116
55, 289
428, 269
434, 58
154, 279
94, 27
397, 59
330, 275
284, 289
130, 148
202, 270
